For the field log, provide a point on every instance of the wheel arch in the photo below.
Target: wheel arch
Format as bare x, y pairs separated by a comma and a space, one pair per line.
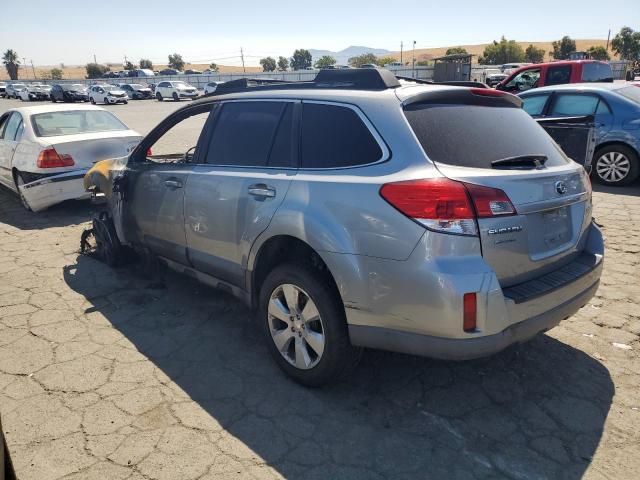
281, 249
610, 143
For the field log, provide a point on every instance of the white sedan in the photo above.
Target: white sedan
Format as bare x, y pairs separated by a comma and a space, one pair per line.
35, 91
107, 94
45, 150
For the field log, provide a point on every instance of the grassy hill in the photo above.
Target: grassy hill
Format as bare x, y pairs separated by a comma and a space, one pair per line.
430, 53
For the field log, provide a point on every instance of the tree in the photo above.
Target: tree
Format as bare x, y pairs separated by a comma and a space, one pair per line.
598, 53
301, 59
325, 61
504, 51
95, 70
11, 63
128, 65
456, 51
55, 73
534, 54
424, 63
283, 64
563, 48
214, 67
176, 62
268, 64
626, 44
146, 64
382, 61
363, 59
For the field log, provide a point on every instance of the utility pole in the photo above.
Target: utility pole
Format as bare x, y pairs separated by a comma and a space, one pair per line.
414, 59
608, 37
401, 52
94, 58
242, 57
34, 70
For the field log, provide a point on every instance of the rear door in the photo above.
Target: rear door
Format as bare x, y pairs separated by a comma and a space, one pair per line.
577, 104
232, 196
464, 138
10, 132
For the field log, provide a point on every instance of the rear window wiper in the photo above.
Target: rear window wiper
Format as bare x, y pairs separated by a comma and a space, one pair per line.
520, 162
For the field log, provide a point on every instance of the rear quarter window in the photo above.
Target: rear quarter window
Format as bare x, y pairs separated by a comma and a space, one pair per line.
334, 137
474, 136
597, 72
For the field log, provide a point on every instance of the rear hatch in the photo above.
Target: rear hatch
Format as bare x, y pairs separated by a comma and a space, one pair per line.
483, 137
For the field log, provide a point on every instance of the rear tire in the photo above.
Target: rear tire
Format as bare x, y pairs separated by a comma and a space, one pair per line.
318, 366
93, 102
616, 165
17, 178
53, 100
159, 96
176, 98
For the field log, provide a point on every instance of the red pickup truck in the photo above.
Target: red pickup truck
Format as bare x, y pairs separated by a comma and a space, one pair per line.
556, 73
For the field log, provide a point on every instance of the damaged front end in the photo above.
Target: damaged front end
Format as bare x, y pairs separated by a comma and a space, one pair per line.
105, 183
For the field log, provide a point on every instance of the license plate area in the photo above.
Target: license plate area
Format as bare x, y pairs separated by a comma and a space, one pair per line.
550, 231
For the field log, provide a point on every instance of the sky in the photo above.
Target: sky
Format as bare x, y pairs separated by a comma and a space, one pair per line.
72, 32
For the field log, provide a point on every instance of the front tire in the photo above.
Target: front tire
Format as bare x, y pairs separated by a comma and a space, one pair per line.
93, 102
304, 324
176, 98
616, 165
159, 96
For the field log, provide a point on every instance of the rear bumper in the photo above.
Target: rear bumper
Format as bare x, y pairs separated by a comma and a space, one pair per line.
45, 192
468, 348
415, 306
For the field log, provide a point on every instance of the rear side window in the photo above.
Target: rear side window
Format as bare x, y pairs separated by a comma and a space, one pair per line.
253, 134
474, 136
13, 125
597, 72
335, 136
577, 105
558, 75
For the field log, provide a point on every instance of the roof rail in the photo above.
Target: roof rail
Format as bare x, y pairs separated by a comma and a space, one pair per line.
349, 79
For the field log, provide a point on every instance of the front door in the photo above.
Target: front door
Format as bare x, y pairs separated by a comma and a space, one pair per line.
155, 185
232, 197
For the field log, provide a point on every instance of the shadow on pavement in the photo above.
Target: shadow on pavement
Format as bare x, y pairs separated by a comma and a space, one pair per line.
67, 213
632, 190
533, 411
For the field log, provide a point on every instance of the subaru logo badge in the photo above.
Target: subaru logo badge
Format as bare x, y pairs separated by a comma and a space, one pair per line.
561, 187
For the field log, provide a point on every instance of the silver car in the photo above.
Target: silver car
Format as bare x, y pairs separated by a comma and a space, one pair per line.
355, 211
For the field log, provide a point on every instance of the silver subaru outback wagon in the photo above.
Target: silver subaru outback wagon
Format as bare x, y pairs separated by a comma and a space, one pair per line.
357, 211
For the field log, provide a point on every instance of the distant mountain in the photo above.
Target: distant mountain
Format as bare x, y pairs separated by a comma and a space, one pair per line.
343, 56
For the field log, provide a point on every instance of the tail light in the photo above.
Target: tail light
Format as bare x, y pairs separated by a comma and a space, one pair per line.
149, 152
446, 205
50, 158
469, 312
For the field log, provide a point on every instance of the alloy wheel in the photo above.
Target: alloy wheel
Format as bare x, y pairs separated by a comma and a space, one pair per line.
295, 326
613, 167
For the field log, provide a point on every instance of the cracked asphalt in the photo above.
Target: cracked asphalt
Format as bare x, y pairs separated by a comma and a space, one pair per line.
105, 374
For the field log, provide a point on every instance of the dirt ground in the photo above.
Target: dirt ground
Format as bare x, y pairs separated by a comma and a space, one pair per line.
107, 374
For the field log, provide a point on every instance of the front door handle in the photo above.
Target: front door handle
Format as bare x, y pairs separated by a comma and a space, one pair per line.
173, 184
262, 190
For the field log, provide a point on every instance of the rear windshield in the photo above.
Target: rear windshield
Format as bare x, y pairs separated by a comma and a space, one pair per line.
74, 122
474, 136
597, 72
630, 93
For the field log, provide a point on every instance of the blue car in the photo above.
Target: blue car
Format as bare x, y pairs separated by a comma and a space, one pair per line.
616, 110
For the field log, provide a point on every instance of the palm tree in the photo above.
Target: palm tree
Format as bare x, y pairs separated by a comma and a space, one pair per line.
12, 64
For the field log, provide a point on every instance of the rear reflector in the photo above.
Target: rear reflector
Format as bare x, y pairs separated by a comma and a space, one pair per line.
446, 205
49, 158
469, 312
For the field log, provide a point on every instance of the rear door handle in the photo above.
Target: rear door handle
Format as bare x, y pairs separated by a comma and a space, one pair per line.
262, 190
173, 184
